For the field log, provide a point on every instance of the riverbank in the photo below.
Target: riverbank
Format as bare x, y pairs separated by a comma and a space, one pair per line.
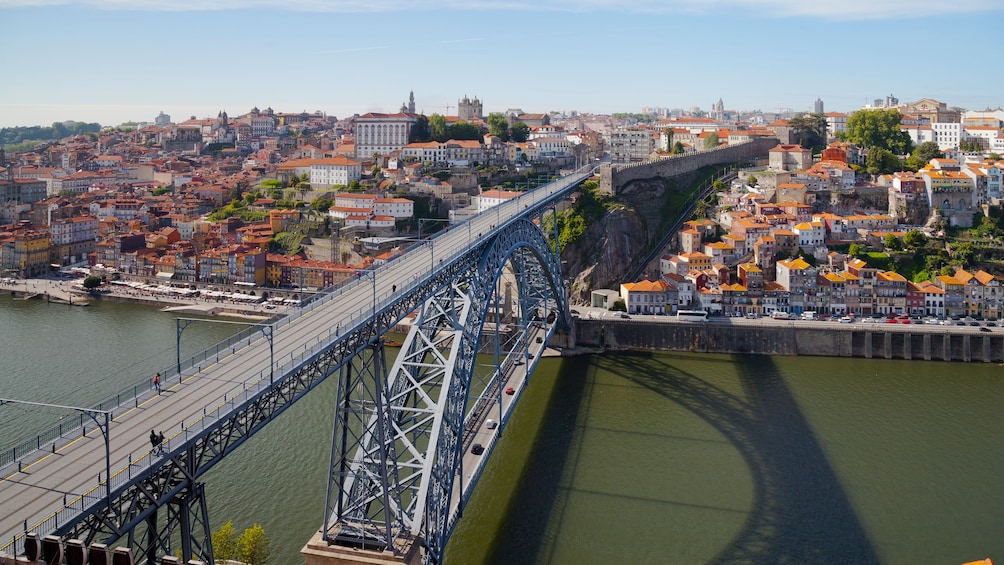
63, 292
797, 338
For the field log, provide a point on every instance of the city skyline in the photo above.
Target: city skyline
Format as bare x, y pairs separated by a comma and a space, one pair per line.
111, 61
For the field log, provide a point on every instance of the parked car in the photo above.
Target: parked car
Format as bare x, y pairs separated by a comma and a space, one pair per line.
491, 424
846, 320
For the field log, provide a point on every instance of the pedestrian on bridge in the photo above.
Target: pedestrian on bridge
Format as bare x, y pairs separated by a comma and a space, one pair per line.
160, 443
154, 440
156, 382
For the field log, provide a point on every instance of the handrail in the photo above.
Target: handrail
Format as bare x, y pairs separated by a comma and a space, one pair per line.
58, 436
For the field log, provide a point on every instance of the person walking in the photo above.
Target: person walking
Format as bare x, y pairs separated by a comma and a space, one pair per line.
154, 440
160, 443
156, 382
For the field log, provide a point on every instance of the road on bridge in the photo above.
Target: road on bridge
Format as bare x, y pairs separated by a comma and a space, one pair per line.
44, 485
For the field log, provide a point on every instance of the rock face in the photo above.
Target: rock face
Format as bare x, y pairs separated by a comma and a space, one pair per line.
604, 252
608, 249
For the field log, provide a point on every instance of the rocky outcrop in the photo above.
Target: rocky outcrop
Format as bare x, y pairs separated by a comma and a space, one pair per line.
604, 252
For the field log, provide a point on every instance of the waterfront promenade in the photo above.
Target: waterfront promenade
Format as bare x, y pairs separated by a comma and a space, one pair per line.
62, 291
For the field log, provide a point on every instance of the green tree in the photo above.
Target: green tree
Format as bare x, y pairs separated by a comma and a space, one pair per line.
914, 239
893, 242
438, 127
520, 132
463, 130
711, 141
751, 180
877, 128
882, 161
678, 149
92, 282
923, 153
225, 543
855, 250
420, 131
252, 546
498, 126
271, 184
809, 130
971, 145
354, 186
321, 204
994, 156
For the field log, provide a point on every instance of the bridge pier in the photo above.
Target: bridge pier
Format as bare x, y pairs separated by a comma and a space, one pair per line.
318, 552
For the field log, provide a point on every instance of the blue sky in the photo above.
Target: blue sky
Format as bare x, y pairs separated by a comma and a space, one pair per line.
110, 61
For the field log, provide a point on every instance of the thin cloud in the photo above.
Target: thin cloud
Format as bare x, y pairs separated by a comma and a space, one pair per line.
353, 49
845, 10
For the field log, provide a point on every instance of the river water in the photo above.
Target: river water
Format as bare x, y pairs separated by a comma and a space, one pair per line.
626, 458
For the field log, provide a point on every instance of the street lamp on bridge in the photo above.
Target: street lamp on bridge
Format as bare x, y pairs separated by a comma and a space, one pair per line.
103, 425
422, 221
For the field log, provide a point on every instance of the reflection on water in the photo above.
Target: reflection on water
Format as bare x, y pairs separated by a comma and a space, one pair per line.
680, 458
615, 458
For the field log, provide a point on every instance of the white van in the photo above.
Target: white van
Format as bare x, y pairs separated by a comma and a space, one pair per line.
779, 315
808, 315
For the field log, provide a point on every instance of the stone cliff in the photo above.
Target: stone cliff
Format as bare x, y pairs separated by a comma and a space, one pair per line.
608, 249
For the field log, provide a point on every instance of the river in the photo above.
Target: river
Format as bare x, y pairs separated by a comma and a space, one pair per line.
614, 458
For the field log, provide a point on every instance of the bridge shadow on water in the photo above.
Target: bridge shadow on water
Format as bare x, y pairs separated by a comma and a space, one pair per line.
800, 512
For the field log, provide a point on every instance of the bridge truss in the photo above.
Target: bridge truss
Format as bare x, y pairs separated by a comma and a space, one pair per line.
399, 437
396, 474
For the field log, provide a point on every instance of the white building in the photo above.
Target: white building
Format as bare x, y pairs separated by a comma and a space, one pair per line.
947, 134
381, 133
491, 198
394, 207
325, 173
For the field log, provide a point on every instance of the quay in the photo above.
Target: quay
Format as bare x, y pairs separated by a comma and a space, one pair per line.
796, 337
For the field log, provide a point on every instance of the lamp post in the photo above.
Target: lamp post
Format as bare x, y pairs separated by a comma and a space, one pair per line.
265, 329
422, 221
93, 414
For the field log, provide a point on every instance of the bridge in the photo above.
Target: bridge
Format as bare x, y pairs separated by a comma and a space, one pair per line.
410, 437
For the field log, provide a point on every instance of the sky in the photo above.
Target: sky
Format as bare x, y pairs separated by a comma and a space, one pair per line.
112, 61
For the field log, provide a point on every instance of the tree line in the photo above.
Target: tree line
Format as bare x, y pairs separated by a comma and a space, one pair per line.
436, 128
20, 134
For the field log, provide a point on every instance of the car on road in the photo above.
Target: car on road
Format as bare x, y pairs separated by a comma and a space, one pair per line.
477, 449
991, 324
846, 320
491, 424
751, 316
985, 329
510, 391
574, 312
625, 316
974, 324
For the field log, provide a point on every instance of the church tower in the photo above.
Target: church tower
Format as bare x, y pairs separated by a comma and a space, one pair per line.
411, 101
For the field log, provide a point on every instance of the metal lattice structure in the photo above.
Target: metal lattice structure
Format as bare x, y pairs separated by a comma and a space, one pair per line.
400, 432
399, 436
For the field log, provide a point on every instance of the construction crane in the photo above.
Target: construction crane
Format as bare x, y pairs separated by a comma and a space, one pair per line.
448, 109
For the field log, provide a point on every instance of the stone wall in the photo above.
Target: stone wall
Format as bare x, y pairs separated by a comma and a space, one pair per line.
796, 338
614, 176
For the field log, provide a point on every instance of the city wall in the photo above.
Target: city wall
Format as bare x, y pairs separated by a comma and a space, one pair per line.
796, 338
614, 176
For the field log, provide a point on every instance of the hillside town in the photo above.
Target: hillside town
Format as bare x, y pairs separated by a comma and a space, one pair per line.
227, 201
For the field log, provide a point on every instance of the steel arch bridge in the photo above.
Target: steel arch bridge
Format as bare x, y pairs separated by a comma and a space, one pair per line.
400, 435
486, 296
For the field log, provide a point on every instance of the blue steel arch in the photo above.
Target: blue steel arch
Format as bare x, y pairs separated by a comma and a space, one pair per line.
521, 235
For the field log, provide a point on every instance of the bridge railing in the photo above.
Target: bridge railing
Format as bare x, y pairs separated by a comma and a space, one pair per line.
353, 320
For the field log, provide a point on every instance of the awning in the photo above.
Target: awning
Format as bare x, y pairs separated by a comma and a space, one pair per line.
164, 275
